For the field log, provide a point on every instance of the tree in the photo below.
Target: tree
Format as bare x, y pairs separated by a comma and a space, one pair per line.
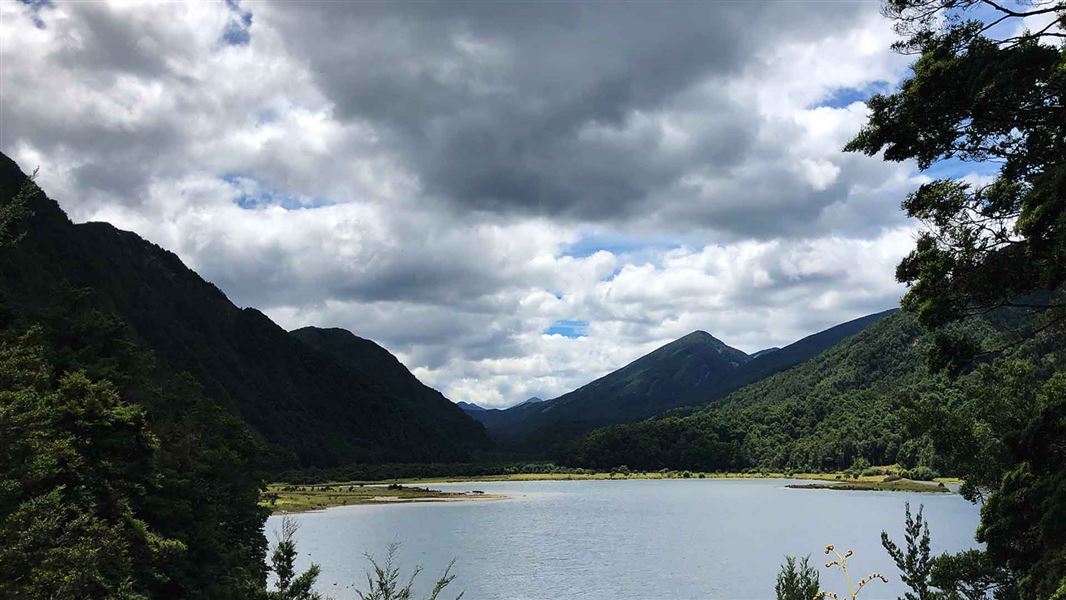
384, 583
797, 580
75, 466
16, 210
983, 89
915, 563
988, 86
291, 586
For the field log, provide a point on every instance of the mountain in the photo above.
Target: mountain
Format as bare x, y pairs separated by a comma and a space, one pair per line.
374, 363
764, 352
822, 414
315, 400
766, 362
533, 400
470, 407
692, 370
647, 386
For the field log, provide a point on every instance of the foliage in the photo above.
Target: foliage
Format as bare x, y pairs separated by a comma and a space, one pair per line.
797, 580
914, 563
982, 92
75, 469
989, 87
971, 575
289, 585
384, 583
121, 479
14, 212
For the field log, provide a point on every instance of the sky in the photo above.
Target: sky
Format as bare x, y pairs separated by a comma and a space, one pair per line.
514, 198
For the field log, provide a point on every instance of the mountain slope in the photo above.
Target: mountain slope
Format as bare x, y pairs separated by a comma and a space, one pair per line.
469, 407
310, 408
692, 370
377, 364
818, 415
649, 385
766, 362
841, 405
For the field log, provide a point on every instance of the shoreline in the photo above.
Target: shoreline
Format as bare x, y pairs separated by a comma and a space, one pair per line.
283, 498
286, 499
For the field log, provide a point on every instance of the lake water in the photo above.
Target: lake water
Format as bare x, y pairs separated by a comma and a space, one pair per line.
625, 539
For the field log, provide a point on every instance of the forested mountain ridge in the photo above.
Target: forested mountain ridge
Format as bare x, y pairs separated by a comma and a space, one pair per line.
693, 370
821, 415
311, 409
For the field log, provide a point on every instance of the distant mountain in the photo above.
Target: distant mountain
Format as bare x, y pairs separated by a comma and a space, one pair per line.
647, 386
470, 407
315, 399
693, 370
533, 400
764, 352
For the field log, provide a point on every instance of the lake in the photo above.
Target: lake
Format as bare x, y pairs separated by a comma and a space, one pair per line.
625, 539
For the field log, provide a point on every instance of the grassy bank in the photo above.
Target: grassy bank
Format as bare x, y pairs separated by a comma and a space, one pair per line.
285, 498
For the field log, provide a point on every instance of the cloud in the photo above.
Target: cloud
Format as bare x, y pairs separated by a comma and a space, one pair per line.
513, 197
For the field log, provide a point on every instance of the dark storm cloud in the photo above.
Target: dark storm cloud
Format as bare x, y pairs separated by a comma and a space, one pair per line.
492, 103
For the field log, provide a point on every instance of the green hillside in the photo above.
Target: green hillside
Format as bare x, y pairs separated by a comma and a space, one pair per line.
846, 403
695, 369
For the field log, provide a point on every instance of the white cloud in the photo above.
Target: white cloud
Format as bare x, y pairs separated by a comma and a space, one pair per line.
391, 177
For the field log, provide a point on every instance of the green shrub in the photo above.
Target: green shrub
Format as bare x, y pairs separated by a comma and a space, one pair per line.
921, 473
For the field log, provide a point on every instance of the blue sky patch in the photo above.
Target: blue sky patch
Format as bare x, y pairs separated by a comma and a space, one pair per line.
589, 245
569, 328
954, 168
845, 96
264, 198
238, 30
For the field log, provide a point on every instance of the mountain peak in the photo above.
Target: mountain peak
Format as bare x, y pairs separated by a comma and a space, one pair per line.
470, 407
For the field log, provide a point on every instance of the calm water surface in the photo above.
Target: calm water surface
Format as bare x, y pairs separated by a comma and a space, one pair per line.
625, 540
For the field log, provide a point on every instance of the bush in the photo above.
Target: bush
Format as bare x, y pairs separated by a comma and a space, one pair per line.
921, 473
797, 580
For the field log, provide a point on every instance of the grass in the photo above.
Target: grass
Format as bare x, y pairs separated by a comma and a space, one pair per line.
286, 498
